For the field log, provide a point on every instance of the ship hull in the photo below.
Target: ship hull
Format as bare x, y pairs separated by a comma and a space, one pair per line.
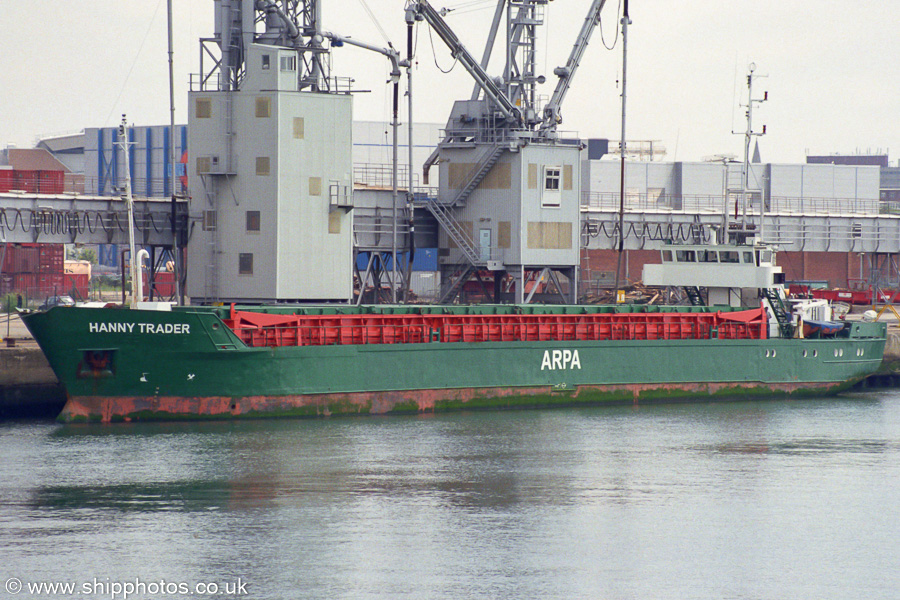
188, 365
176, 408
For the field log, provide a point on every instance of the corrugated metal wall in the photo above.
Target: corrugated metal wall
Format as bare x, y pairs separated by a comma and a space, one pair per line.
149, 157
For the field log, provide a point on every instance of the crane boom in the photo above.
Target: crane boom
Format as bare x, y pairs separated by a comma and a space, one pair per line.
567, 73
458, 51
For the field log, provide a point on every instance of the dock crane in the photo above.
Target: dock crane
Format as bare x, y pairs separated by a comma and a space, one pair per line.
516, 111
498, 132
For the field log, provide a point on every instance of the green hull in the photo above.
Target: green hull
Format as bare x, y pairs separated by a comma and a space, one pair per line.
188, 364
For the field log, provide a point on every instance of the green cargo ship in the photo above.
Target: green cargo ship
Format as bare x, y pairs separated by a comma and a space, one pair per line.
121, 364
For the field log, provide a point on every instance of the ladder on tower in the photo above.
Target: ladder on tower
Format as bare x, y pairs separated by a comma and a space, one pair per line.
785, 324
211, 226
734, 181
693, 294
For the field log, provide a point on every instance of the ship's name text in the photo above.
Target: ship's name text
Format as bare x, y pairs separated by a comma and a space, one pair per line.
560, 359
171, 328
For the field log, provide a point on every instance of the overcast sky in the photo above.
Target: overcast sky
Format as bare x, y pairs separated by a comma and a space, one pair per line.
831, 68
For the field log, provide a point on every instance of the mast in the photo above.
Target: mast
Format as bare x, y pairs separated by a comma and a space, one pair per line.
625, 22
136, 285
745, 171
175, 252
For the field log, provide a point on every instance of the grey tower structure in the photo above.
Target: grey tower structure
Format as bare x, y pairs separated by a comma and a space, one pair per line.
510, 185
270, 160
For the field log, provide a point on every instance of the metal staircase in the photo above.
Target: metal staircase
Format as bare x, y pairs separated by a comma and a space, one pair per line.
443, 212
460, 236
693, 294
488, 159
781, 313
457, 280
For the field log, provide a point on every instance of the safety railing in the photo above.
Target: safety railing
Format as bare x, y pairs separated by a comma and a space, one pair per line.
381, 175
717, 204
412, 329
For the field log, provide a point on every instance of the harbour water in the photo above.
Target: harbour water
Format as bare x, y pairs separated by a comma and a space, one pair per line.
779, 499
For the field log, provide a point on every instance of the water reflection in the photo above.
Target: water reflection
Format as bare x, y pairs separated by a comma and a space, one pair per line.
701, 501
139, 497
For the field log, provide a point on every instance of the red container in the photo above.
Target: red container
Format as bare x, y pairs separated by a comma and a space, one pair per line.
51, 258
26, 181
7, 180
50, 284
25, 282
77, 285
7, 251
164, 285
50, 182
20, 259
31, 260
50, 252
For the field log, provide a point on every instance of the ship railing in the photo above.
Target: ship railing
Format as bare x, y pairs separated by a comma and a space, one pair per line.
716, 203
381, 175
213, 80
530, 328
151, 187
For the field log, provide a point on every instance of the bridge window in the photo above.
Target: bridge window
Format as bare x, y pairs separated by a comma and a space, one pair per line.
748, 257
729, 256
667, 255
266, 61
245, 263
686, 256
708, 256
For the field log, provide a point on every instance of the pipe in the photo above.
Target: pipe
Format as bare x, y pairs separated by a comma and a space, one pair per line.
395, 124
625, 22
141, 255
178, 297
270, 6
410, 209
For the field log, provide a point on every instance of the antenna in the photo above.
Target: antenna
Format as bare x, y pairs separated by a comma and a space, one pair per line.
748, 135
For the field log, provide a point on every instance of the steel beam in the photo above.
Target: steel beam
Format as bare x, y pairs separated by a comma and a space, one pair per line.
67, 219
